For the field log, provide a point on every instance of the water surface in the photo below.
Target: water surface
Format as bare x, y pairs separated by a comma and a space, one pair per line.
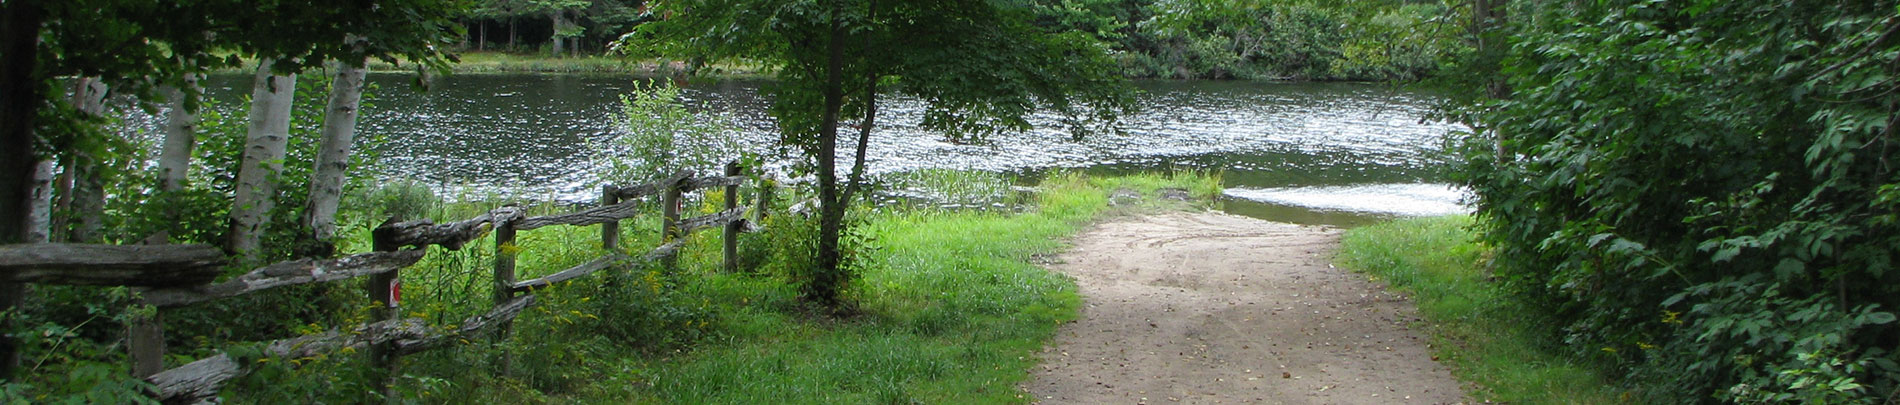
1316, 153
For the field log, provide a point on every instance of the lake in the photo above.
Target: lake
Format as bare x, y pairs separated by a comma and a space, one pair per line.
1312, 153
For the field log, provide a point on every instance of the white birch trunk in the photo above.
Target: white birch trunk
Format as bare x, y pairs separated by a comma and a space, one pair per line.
39, 219
333, 150
268, 137
181, 135
87, 201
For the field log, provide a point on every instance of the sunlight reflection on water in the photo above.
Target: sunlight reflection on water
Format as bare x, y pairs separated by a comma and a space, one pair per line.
1325, 146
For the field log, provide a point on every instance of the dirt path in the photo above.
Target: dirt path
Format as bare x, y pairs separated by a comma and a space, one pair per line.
1216, 308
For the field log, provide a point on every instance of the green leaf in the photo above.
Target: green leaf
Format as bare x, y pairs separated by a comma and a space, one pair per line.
1879, 318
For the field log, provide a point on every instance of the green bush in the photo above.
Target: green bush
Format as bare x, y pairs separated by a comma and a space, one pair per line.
658, 136
794, 256
1701, 193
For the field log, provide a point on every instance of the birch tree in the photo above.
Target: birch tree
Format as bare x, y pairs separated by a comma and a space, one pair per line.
268, 135
333, 150
181, 135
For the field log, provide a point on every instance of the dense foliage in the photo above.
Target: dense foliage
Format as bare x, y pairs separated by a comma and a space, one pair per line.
1284, 40
1702, 192
563, 25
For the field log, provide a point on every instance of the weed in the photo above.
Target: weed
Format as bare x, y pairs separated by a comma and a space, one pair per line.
1489, 338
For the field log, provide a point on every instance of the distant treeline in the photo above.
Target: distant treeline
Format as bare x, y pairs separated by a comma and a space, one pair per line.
1264, 39
1181, 39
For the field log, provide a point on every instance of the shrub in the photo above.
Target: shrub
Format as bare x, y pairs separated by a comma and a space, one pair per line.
1701, 193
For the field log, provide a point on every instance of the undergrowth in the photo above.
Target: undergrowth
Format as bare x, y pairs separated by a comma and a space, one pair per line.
950, 309
1487, 337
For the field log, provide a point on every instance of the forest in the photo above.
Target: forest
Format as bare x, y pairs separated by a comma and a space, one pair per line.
1368, 40
1694, 199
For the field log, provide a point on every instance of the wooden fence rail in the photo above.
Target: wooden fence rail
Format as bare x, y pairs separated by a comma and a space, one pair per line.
177, 275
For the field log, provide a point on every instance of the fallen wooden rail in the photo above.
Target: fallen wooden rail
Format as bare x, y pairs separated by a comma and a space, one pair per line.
591, 267
593, 216
200, 380
302, 271
127, 265
715, 219
451, 235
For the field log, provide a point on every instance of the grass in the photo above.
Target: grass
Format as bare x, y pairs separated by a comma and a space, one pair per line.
951, 308
1488, 339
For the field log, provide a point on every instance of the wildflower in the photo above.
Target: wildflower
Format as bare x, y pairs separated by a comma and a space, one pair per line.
1671, 317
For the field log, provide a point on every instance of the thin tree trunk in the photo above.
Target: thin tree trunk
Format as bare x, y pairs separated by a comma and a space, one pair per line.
1488, 18
864, 136
181, 135
869, 121
268, 136
333, 150
831, 207
60, 213
481, 40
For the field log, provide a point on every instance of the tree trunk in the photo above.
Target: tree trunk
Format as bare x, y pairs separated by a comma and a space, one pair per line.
268, 136
333, 150
181, 135
19, 106
83, 201
560, 22
39, 223
1486, 26
832, 207
864, 136
869, 121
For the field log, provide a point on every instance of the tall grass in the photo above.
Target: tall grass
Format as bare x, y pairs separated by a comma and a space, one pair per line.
950, 309
1487, 338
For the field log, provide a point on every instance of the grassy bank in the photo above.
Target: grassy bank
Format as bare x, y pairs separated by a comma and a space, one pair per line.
1475, 327
951, 308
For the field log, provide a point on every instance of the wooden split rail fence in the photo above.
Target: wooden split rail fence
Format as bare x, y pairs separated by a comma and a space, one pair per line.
176, 275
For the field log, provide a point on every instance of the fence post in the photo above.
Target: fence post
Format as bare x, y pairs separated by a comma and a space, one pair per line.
670, 219
610, 230
732, 227
505, 251
384, 288
766, 187
147, 336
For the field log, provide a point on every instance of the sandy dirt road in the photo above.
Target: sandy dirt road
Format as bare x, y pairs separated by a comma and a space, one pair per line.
1215, 308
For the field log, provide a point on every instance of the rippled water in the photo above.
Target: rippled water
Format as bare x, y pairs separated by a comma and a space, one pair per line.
1341, 154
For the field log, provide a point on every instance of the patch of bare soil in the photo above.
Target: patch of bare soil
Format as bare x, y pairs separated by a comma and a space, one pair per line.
1216, 308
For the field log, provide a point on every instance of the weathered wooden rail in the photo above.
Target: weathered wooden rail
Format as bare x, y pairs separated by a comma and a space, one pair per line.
177, 275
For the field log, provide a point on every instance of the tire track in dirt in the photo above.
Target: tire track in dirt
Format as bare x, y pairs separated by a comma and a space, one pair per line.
1215, 308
